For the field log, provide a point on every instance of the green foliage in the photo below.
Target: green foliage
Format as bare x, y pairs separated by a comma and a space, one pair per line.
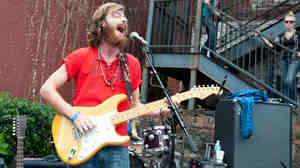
4, 147
37, 142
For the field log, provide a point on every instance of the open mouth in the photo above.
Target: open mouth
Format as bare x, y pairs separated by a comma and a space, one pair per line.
121, 28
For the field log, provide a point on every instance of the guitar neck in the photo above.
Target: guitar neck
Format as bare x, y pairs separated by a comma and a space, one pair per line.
20, 153
150, 107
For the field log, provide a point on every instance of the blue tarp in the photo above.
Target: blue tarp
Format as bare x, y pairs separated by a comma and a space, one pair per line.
247, 98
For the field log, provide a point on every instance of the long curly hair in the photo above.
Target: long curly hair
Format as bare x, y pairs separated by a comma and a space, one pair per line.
95, 30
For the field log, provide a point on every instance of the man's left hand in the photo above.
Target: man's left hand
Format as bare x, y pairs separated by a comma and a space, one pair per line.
166, 110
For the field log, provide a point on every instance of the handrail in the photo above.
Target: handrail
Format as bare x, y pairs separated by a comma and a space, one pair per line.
233, 5
181, 39
262, 15
252, 77
255, 31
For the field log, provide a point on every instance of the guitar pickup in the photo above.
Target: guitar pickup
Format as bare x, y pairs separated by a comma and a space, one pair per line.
77, 134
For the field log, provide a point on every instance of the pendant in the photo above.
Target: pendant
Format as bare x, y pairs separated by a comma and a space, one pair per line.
108, 83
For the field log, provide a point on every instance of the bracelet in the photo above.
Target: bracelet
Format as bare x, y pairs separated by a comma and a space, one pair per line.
75, 116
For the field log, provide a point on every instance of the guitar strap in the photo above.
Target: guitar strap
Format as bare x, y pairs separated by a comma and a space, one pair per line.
124, 65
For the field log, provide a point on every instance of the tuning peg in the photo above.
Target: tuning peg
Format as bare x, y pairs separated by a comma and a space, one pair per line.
14, 131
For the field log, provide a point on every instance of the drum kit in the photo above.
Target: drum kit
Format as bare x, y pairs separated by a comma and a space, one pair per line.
151, 149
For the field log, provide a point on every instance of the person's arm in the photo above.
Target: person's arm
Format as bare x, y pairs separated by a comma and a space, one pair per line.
135, 102
266, 41
49, 91
134, 133
207, 2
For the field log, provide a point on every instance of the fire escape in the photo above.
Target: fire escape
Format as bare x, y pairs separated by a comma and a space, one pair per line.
176, 39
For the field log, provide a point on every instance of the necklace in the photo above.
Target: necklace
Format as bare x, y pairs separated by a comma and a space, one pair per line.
109, 83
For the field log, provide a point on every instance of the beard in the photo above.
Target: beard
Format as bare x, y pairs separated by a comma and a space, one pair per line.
112, 38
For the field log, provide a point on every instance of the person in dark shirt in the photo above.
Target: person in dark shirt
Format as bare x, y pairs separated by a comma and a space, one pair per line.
290, 61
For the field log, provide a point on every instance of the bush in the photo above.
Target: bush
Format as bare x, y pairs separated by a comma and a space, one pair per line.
37, 142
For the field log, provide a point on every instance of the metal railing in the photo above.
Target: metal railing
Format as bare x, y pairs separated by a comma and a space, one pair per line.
171, 26
174, 29
259, 60
259, 16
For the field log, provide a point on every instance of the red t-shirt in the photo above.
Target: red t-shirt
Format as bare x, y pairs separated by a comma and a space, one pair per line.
91, 90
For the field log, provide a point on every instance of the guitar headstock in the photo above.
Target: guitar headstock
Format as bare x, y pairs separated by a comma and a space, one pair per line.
202, 92
20, 126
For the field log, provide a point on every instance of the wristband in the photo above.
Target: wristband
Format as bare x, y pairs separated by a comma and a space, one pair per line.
75, 116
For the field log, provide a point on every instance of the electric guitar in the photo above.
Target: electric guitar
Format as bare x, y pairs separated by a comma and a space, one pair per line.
74, 148
20, 127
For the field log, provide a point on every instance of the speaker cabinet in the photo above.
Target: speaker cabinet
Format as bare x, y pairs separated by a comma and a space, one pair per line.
270, 144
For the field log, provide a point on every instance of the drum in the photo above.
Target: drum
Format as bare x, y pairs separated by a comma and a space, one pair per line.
137, 148
135, 161
156, 139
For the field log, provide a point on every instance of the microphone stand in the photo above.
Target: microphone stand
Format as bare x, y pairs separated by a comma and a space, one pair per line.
173, 107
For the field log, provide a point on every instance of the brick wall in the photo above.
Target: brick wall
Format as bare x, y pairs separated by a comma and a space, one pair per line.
37, 34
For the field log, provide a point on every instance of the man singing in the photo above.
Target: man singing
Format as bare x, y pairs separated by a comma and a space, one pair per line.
100, 71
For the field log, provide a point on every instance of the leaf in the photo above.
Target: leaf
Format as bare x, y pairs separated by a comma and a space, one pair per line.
4, 149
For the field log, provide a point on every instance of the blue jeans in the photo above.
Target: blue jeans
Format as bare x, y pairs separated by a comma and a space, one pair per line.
211, 31
289, 69
108, 157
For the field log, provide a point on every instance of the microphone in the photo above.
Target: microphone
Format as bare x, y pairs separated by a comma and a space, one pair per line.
138, 37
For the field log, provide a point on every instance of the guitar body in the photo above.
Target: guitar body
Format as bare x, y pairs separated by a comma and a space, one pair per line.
73, 148
69, 143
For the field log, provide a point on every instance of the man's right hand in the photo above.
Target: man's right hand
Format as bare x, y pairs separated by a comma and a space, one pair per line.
84, 124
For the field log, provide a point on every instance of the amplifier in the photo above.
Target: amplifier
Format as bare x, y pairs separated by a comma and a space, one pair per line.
270, 143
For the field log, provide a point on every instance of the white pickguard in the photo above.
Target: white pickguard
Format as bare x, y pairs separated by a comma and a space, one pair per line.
104, 132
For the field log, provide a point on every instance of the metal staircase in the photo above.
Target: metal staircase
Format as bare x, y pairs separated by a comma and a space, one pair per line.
175, 35
269, 22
